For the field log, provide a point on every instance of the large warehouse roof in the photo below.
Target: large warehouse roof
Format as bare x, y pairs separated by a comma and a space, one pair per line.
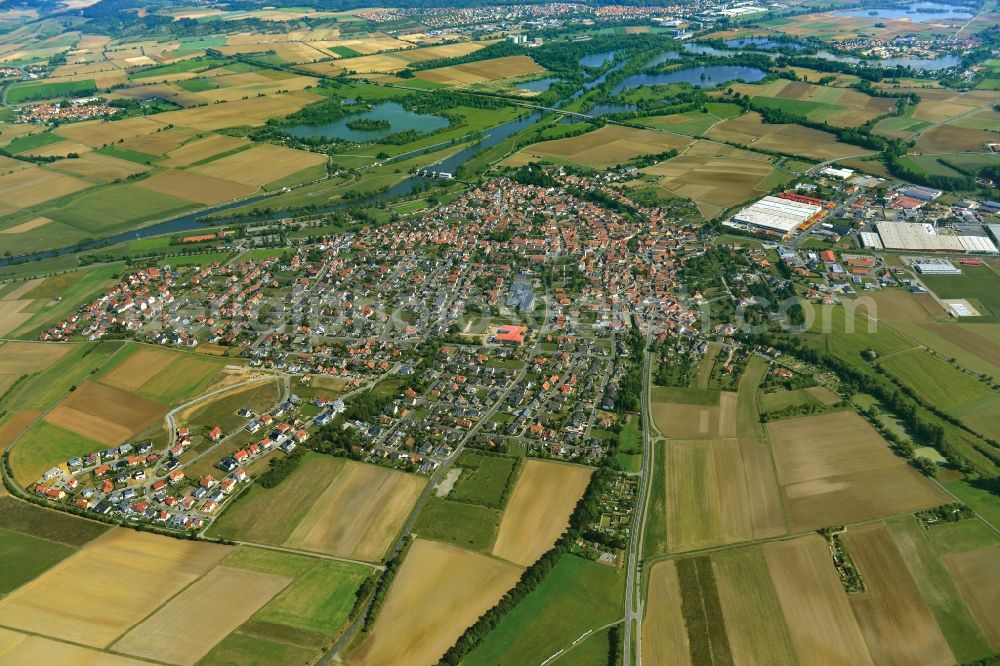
777, 214
916, 237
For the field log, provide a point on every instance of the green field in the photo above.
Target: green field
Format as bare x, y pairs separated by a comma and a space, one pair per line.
484, 478
578, 595
103, 210
126, 154
980, 285
73, 289
25, 557
193, 65
702, 611
44, 445
981, 500
655, 535
239, 649
312, 609
467, 525
187, 376
319, 600
28, 91
43, 390
694, 123
592, 651
346, 52
198, 85
270, 515
783, 398
32, 141
47, 524
921, 552
222, 412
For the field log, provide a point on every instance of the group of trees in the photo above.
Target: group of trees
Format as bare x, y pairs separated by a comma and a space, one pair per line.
279, 469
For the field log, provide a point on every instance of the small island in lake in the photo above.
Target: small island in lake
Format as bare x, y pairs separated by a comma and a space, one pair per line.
367, 124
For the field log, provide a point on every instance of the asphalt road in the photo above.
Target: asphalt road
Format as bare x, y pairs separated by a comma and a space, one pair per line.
633, 581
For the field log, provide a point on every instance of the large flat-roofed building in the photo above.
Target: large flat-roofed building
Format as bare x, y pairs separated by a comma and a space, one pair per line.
922, 238
777, 214
936, 268
922, 193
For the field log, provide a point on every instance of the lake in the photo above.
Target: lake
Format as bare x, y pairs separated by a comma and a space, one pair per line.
399, 119
597, 59
541, 85
700, 77
918, 13
662, 58
763, 43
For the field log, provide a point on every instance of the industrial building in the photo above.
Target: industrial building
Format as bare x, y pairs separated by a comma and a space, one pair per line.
922, 193
936, 268
923, 238
777, 214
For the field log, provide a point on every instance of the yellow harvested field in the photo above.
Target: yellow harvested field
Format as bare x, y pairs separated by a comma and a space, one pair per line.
452, 50
664, 638
96, 133
18, 648
12, 316
262, 164
977, 575
35, 185
131, 573
714, 176
939, 105
58, 149
484, 70
158, 143
195, 187
526, 530
9, 164
203, 148
750, 130
836, 469
103, 168
439, 591
384, 62
254, 111
22, 358
104, 414
897, 625
190, 624
607, 146
720, 491
359, 514
823, 628
686, 421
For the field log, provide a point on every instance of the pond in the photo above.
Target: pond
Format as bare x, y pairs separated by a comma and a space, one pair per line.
763, 43
605, 109
700, 77
597, 59
930, 64
399, 119
918, 13
662, 58
692, 47
539, 85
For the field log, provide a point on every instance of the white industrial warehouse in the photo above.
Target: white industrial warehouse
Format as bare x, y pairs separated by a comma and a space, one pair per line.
776, 214
923, 238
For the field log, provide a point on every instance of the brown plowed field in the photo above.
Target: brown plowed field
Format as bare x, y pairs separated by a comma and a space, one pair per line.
823, 628
897, 625
836, 469
105, 414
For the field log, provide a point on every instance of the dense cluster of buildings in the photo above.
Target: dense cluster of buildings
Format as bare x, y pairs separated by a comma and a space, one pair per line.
56, 112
